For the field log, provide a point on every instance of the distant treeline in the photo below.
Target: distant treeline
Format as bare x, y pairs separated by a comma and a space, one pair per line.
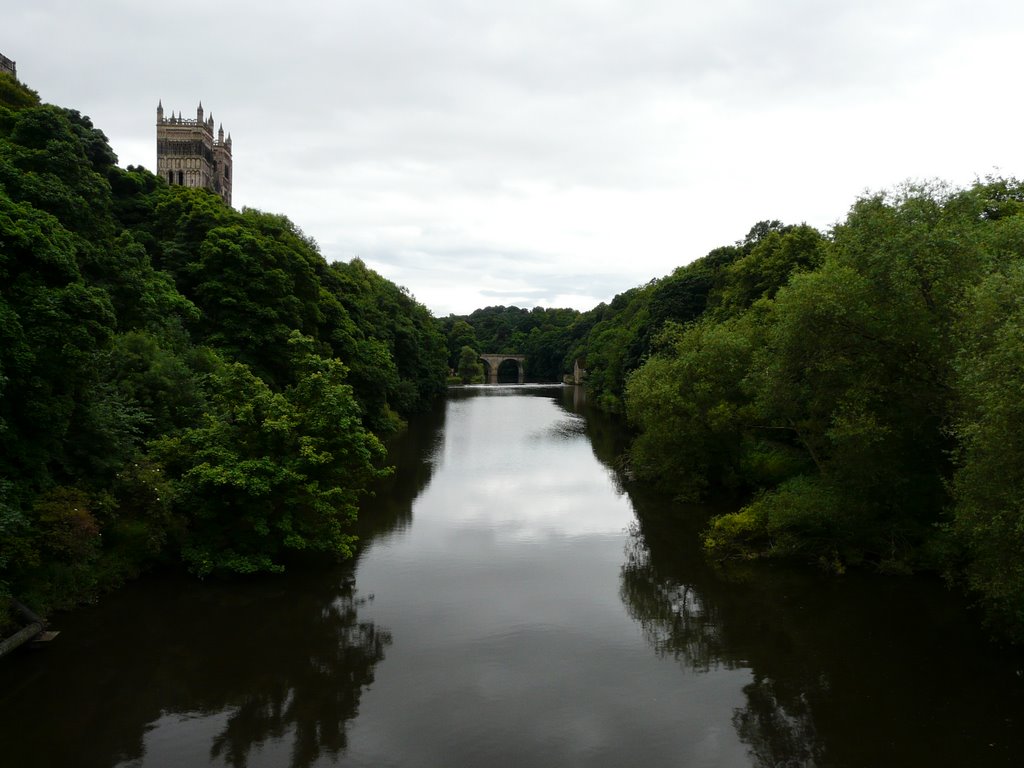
179, 381
858, 393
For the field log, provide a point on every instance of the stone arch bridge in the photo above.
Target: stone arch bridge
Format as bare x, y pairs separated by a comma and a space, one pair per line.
492, 362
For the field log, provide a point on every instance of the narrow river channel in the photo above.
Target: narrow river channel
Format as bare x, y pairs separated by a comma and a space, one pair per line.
514, 604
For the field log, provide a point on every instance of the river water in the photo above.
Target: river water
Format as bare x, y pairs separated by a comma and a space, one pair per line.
514, 604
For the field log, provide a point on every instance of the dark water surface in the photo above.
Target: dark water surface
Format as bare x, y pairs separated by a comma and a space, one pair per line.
513, 605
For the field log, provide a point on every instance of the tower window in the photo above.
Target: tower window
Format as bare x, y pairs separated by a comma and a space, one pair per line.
170, 177
181, 177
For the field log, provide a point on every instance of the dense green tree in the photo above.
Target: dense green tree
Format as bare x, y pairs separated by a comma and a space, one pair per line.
52, 326
768, 263
460, 335
988, 516
682, 297
43, 162
857, 372
614, 345
142, 297
161, 374
690, 406
14, 95
267, 473
471, 370
386, 318
253, 292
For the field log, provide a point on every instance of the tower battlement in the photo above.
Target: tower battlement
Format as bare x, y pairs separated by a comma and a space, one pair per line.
189, 154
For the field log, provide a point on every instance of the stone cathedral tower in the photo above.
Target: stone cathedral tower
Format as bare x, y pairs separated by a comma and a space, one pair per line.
187, 154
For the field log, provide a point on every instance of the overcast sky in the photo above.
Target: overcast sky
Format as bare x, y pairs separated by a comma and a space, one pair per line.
545, 153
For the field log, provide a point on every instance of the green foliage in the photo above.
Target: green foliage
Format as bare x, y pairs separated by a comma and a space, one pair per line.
804, 516
543, 335
138, 519
857, 366
161, 375
52, 326
93, 141
460, 335
768, 264
471, 370
616, 339
988, 516
682, 297
171, 375
688, 403
381, 319
44, 161
271, 472
16, 546
14, 95
59, 562
850, 384
253, 290
614, 345
142, 297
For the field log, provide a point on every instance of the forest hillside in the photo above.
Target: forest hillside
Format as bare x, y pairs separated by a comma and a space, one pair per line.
179, 381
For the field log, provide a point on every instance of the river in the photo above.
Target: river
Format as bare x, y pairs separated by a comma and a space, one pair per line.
516, 602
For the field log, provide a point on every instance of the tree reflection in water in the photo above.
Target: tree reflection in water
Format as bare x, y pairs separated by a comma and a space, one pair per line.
312, 693
226, 668
672, 615
681, 623
862, 670
780, 734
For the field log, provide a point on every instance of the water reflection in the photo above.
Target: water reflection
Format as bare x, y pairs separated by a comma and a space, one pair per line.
168, 672
415, 455
171, 673
855, 671
516, 469
676, 620
674, 596
306, 692
512, 647
520, 625
779, 732
843, 672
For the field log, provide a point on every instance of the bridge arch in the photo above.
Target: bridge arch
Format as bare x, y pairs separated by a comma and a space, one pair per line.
492, 362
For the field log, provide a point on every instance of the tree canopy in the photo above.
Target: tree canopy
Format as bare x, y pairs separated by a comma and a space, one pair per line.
179, 381
856, 393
